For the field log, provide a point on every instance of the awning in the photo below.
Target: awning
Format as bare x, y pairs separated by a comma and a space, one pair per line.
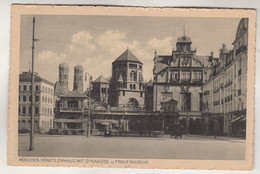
105, 121
237, 119
243, 119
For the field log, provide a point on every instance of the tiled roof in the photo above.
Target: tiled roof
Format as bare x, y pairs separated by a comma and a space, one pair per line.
75, 94
58, 89
26, 77
159, 67
127, 56
101, 79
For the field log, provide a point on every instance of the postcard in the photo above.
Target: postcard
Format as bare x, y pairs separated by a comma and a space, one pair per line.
131, 87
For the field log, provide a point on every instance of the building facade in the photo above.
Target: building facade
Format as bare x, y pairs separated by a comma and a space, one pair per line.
69, 116
100, 90
127, 84
179, 77
44, 103
224, 91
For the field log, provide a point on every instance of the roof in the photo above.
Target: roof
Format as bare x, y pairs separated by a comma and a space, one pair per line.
75, 94
63, 66
169, 100
120, 79
78, 68
58, 89
26, 77
184, 39
159, 67
149, 83
127, 56
201, 61
101, 79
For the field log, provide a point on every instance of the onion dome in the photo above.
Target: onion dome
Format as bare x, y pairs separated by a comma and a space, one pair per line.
78, 68
64, 66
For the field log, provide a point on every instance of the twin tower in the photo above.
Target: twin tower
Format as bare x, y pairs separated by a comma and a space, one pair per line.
64, 77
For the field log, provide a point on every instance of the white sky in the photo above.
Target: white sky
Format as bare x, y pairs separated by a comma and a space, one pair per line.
96, 41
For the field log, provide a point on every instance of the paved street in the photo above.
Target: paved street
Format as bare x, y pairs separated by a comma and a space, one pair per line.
190, 147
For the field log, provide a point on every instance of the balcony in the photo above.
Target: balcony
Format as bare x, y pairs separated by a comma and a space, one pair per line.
197, 80
185, 80
71, 110
174, 80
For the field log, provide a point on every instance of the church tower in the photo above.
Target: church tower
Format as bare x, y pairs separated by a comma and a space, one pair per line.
64, 76
127, 84
78, 78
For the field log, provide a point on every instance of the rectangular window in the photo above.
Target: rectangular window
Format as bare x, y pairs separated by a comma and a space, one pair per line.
24, 98
24, 87
24, 110
30, 87
123, 93
36, 98
174, 75
141, 94
30, 110
37, 88
36, 110
185, 76
30, 98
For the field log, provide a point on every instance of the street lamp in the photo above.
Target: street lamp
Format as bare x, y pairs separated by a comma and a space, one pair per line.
89, 100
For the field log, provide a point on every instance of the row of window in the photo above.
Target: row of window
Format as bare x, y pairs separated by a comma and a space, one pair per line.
44, 124
37, 88
28, 110
37, 98
26, 121
186, 75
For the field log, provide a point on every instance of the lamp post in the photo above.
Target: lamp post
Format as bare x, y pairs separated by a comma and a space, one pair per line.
89, 100
31, 147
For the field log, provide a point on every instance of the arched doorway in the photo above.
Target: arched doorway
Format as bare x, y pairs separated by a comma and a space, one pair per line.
132, 103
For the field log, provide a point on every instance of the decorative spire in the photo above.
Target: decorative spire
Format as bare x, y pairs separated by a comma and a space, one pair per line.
127, 47
183, 30
29, 66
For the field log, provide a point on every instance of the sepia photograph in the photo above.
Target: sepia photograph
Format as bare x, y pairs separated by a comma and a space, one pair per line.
116, 87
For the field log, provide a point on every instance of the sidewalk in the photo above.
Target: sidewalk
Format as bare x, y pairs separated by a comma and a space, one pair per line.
225, 138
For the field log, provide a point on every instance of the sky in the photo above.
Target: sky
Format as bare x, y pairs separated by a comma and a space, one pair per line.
94, 42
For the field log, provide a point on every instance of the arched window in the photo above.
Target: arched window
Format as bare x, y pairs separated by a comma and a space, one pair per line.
42, 98
131, 76
131, 87
135, 76
42, 123
134, 86
45, 99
